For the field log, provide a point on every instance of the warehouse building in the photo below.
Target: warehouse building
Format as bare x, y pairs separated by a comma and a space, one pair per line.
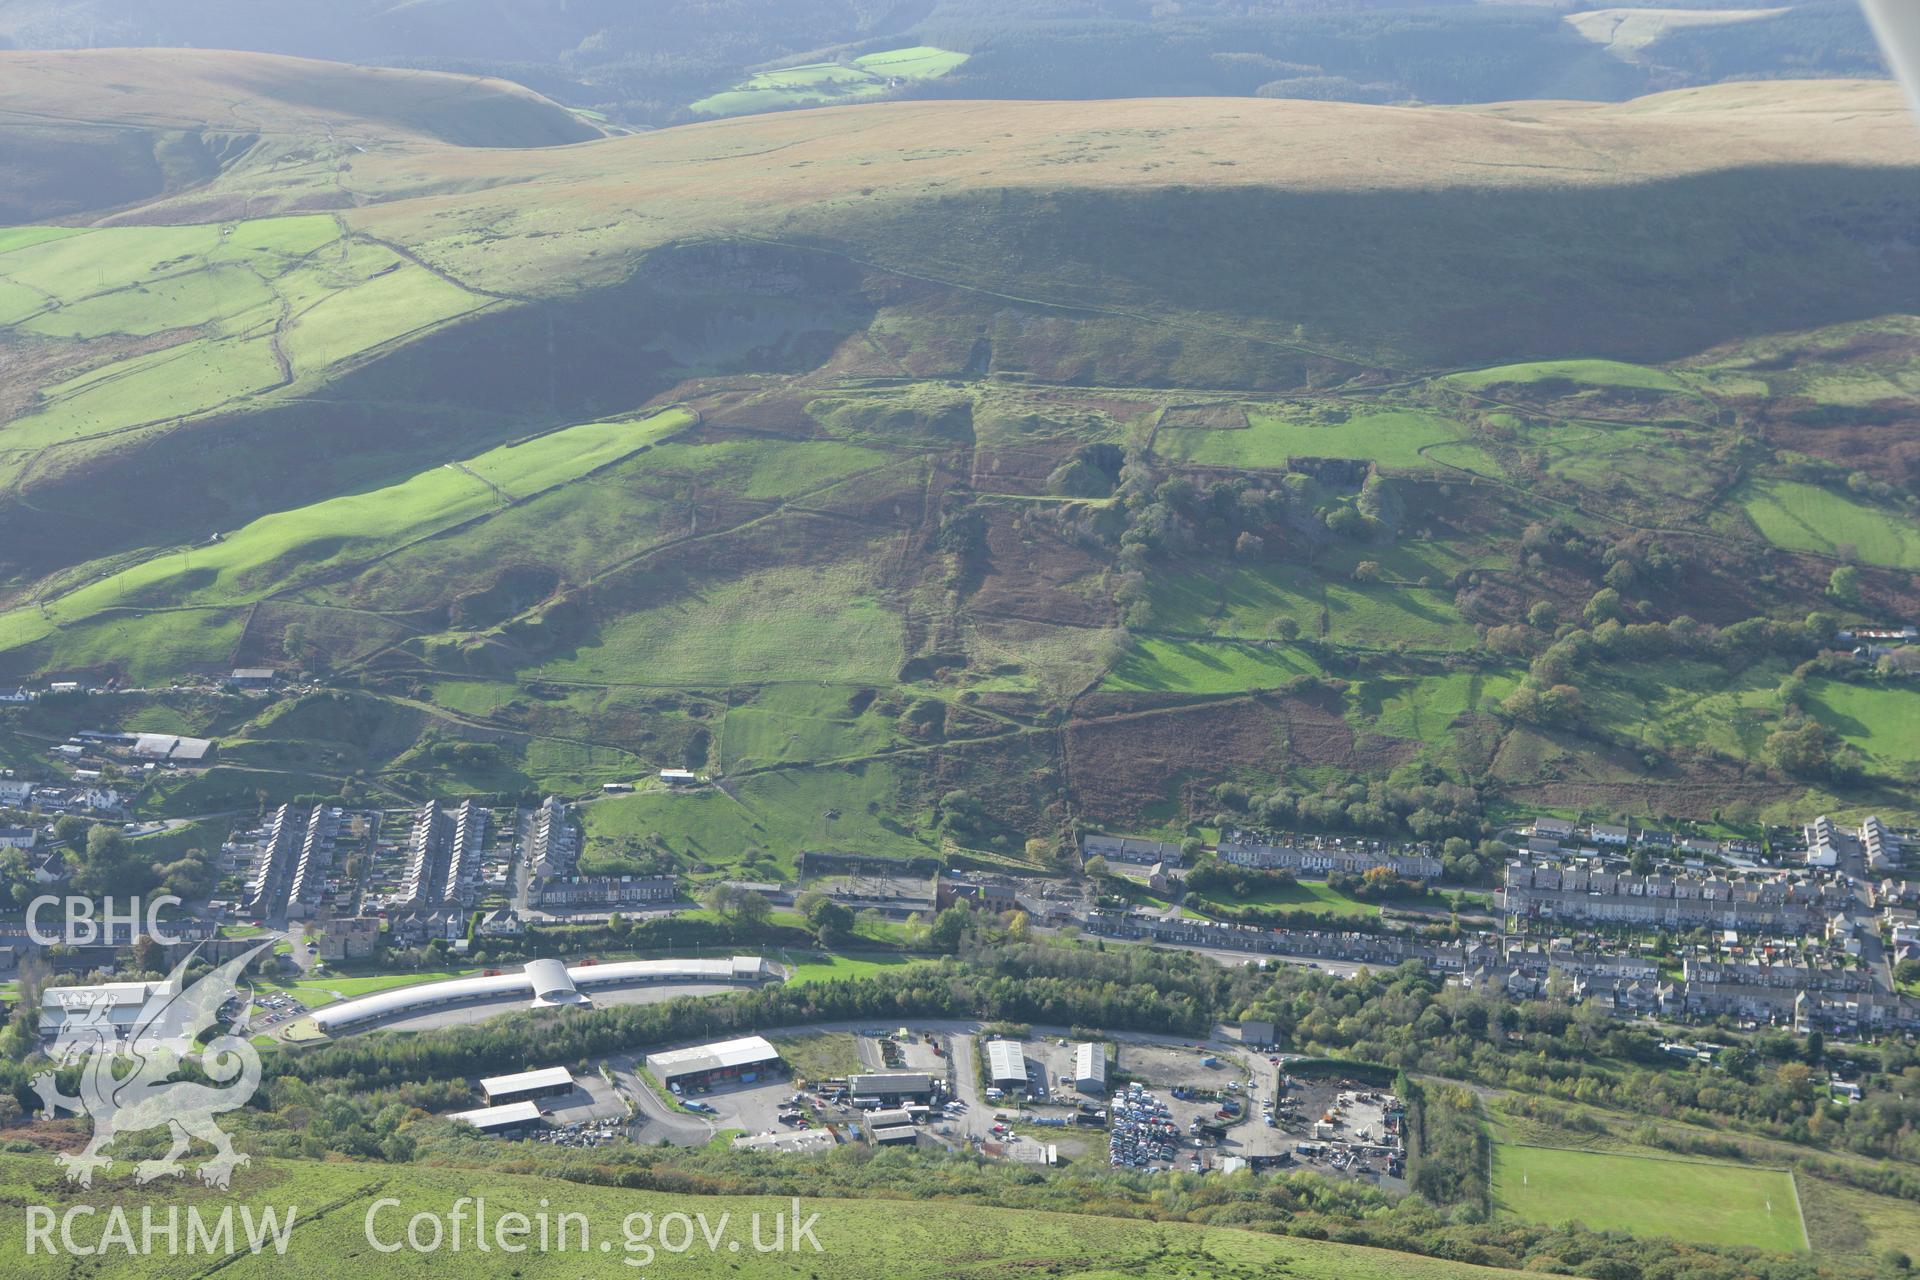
528, 1086
514, 1118
705, 1066
1007, 1064
1090, 1068
894, 1135
893, 1088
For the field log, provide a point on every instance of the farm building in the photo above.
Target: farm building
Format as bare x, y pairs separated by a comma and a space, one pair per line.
515, 1117
1090, 1067
526, 1086
892, 1087
707, 1065
1007, 1064
679, 777
252, 677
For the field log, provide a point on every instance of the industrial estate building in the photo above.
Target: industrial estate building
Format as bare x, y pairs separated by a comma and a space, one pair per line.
528, 1086
1007, 1064
891, 1088
121, 1003
514, 1117
1090, 1068
726, 1062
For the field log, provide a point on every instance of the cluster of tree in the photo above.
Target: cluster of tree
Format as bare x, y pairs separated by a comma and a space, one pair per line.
1216, 879
1802, 747
1426, 806
1377, 884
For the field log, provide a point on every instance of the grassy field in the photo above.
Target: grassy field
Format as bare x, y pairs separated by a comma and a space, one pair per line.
897, 1239
1884, 724
1687, 1200
769, 817
1425, 707
799, 622
1207, 666
1397, 438
789, 723
223, 306
1804, 517
1241, 602
1587, 373
866, 76
1309, 896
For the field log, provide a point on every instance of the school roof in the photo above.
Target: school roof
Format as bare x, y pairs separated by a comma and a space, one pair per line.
501, 1117
522, 1081
1006, 1060
747, 1051
505, 986
552, 984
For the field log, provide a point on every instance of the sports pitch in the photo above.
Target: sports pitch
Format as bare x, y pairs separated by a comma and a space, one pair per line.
1697, 1201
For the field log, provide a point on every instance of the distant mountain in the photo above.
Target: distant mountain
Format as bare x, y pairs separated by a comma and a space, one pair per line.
651, 64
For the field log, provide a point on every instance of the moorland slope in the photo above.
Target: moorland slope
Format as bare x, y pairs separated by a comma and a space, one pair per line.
941, 473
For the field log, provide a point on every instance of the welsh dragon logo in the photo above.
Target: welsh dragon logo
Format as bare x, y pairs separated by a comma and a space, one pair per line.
126, 1084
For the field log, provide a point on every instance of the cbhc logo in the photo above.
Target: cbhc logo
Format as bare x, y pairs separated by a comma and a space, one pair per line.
86, 926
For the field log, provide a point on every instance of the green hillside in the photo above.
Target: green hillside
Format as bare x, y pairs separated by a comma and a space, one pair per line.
921, 489
331, 1205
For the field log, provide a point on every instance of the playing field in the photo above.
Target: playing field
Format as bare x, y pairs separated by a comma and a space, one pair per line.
1688, 1200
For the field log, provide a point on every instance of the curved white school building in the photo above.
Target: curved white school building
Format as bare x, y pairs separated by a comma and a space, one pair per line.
543, 983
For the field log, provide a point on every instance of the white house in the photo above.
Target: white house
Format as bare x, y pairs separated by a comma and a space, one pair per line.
103, 798
1616, 837
15, 790
18, 837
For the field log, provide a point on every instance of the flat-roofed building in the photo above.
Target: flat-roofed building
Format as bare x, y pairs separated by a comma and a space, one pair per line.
526, 1086
891, 1087
704, 1066
790, 1141
1007, 1064
894, 1135
514, 1117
